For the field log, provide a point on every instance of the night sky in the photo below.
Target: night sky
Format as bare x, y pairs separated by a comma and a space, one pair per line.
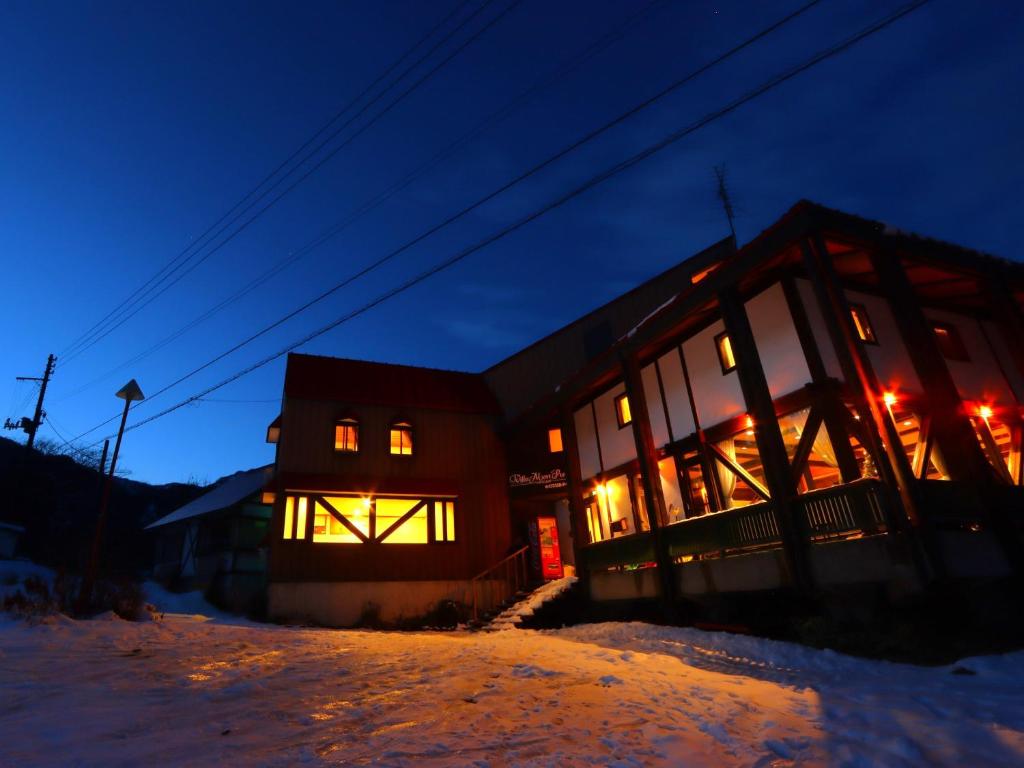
128, 128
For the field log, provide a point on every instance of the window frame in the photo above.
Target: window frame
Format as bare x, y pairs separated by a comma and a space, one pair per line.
617, 405
403, 426
348, 422
953, 348
862, 323
719, 351
302, 508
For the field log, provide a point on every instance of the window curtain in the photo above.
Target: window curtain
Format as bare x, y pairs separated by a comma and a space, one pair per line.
822, 447
937, 460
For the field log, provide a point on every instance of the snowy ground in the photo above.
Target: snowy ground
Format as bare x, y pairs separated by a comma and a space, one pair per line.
191, 691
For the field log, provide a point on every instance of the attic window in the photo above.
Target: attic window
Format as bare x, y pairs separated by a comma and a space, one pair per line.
401, 438
725, 355
950, 342
862, 324
622, 413
346, 435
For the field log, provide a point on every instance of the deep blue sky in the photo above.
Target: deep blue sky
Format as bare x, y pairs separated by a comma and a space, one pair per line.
128, 128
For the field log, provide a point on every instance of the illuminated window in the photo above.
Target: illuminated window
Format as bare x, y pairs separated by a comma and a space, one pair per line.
346, 436
402, 521
401, 438
950, 343
295, 517
341, 520
622, 412
862, 324
555, 440
444, 520
725, 355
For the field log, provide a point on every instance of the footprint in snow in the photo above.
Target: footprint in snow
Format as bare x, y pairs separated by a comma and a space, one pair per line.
609, 680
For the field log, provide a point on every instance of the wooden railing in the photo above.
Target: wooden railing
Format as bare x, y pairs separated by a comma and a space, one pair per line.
731, 531
505, 578
843, 510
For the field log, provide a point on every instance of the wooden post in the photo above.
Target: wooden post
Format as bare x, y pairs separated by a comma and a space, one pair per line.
760, 407
647, 457
574, 482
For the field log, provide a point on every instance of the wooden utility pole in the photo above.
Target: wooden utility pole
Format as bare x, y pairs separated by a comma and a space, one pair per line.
31, 426
726, 198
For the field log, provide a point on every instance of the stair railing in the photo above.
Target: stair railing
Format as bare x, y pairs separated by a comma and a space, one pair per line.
506, 577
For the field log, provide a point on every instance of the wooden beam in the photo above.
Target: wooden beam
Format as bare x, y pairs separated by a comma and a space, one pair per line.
577, 520
770, 444
647, 455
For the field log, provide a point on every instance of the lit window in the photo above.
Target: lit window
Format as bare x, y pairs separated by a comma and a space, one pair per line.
402, 521
268, 497
950, 343
622, 413
401, 438
289, 517
555, 440
294, 517
341, 520
444, 521
725, 355
346, 436
862, 324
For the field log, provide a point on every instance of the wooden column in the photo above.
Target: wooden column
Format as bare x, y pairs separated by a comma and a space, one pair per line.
828, 391
761, 408
883, 439
950, 426
647, 457
574, 481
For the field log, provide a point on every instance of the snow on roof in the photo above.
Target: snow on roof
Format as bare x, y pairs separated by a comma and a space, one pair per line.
230, 490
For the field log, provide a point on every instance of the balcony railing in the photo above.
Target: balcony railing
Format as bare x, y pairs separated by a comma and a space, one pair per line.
842, 511
731, 531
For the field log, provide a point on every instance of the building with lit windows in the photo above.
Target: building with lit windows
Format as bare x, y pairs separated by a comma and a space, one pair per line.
833, 404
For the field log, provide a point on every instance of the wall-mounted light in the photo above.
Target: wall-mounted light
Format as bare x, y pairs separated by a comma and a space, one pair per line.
985, 411
890, 399
750, 425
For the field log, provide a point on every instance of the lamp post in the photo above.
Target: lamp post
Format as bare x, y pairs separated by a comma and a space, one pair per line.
130, 393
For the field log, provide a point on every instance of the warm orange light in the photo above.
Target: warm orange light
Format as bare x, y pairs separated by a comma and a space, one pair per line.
889, 398
750, 425
985, 412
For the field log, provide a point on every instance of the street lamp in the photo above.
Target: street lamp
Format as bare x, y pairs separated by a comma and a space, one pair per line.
130, 392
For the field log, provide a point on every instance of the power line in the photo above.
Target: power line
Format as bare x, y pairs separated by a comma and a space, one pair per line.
332, 153
337, 116
623, 165
386, 194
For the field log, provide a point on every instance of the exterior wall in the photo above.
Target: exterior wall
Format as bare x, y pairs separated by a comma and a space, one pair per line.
782, 357
454, 454
889, 357
817, 322
981, 377
617, 445
655, 406
677, 396
343, 604
586, 437
1002, 352
718, 396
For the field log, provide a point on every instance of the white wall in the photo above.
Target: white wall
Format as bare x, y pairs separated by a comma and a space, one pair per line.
655, 409
676, 395
1003, 353
980, 378
586, 441
778, 345
718, 396
817, 322
889, 357
617, 444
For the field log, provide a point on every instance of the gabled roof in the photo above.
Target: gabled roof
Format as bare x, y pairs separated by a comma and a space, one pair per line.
361, 382
231, 490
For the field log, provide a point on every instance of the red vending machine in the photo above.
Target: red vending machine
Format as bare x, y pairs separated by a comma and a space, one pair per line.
544, 543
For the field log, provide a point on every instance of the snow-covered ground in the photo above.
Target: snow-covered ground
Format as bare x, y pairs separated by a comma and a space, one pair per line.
192, 691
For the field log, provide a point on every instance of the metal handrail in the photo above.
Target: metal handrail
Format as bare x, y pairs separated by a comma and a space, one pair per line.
515, 572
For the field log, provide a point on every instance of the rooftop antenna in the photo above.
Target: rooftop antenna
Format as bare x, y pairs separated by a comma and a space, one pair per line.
723, 195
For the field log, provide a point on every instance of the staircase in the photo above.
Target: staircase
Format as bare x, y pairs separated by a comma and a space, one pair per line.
526, 603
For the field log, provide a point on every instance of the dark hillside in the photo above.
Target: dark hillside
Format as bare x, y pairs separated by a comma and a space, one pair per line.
56, 499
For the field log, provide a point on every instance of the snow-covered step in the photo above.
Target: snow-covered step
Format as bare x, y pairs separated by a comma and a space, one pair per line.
513, 615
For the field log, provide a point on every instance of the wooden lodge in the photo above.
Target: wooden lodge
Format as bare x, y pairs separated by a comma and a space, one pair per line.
834, 404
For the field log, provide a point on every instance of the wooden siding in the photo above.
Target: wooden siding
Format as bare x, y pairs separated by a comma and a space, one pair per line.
453, 453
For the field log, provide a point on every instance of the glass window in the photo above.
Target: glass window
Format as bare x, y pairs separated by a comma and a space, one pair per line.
862, 324
594, 526
289, 517
329, 529
674, 510
615, 507
555, 440
697, 490
740, 472
444, 521
401, 438
996, 440
622, 413
413, 530
346, 436
725, 356
950, 343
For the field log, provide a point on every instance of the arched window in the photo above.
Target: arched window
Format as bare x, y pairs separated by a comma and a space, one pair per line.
401, 438
346, 435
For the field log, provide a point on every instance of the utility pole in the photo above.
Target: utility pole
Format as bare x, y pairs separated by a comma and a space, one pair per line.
725, 197
31, 426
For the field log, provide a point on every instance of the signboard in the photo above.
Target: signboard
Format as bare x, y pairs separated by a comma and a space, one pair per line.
537, 480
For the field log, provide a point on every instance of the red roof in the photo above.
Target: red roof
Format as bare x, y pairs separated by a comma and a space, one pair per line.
312, 377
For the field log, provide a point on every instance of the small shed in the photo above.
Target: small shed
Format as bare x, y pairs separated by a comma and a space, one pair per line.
218, 542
